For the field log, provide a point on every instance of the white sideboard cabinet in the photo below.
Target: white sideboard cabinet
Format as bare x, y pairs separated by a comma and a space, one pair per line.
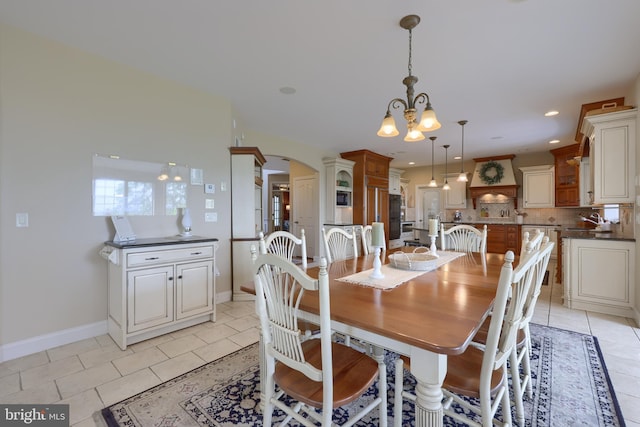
158, 286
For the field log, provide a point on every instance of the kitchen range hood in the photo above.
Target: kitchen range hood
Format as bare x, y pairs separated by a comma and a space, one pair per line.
494, 176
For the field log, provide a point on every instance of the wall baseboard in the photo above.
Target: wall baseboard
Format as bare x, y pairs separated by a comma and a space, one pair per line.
45, 342
223, 297
55, 339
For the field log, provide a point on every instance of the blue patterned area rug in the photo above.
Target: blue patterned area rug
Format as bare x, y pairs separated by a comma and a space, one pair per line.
570, 380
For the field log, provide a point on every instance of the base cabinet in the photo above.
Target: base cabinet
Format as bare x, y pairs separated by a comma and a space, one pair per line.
599, 275
158, 289
502, 237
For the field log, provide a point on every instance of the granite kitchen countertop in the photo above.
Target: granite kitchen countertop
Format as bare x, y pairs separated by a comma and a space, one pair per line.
590, 234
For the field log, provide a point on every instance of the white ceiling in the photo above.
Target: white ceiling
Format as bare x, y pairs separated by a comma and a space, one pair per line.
501, 64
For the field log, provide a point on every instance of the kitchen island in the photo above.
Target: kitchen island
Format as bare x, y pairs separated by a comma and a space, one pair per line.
599, 271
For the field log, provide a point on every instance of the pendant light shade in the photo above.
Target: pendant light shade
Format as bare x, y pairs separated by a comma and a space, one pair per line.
433, 182
463, 175
446, 181
388, 127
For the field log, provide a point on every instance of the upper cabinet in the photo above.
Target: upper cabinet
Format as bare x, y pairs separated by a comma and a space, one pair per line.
567, 175
246, 191
613, 140
538, 186
339, 199
394, 181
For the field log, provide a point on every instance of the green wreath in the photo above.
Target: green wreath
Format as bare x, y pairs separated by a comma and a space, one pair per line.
495, 177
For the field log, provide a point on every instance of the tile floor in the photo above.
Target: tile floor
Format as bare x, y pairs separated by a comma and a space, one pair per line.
95, 373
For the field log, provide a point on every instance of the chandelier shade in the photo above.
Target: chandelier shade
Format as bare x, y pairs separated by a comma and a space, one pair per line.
428, 120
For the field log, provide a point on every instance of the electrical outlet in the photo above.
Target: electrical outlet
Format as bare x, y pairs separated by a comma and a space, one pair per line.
211, 217
210, 188
209, 204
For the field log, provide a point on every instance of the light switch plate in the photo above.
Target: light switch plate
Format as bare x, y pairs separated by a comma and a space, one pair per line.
223, 186
209, 204
211, 217
22, 220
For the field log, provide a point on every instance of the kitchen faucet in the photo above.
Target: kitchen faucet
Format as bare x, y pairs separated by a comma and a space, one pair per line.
596, 216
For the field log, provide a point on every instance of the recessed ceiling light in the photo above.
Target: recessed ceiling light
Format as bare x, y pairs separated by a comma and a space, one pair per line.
287, 90
554, 141
412, 163
551, 113
457, 158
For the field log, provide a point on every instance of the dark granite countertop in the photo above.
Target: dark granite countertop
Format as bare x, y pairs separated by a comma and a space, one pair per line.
160, 241
594, 235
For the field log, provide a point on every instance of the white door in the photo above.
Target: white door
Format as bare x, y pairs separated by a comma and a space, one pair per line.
427, 204
305, 210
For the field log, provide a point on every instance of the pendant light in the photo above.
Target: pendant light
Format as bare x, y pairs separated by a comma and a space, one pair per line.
463, 175
446, 181
433, 182
428, 121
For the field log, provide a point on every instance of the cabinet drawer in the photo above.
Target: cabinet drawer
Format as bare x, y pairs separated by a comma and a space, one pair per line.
170, 255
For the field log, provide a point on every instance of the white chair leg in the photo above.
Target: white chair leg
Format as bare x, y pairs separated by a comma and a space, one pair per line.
397, 400
516, 384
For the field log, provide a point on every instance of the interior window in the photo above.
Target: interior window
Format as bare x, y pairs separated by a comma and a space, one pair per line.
612, 213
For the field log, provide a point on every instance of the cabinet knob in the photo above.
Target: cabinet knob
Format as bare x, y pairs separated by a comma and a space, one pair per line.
151, 258
170, 278
196, 253
180, 277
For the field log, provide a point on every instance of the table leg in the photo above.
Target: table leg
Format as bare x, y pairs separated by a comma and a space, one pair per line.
429, 370
378, 355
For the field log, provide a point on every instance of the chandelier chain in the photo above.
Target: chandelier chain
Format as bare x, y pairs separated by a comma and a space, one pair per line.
410, 42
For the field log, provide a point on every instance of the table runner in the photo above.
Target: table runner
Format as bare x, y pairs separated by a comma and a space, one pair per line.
395, 276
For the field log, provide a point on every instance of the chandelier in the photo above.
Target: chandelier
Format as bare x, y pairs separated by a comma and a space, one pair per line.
428, 120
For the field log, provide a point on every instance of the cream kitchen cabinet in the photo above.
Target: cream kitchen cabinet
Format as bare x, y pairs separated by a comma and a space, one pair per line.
339, 199
538, 186
599, 275
158, 286
246, 214
613, 143
394, 181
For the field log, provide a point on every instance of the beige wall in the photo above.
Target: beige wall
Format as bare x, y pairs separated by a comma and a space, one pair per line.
634, 100
59, 107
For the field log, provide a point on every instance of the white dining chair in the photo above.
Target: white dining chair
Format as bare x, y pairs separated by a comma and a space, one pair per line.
463, 238
536, 240
340, 244
307, 379
285, 244
481, 371
520, 364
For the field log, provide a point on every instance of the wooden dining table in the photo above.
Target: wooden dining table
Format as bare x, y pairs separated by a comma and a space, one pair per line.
427, 318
